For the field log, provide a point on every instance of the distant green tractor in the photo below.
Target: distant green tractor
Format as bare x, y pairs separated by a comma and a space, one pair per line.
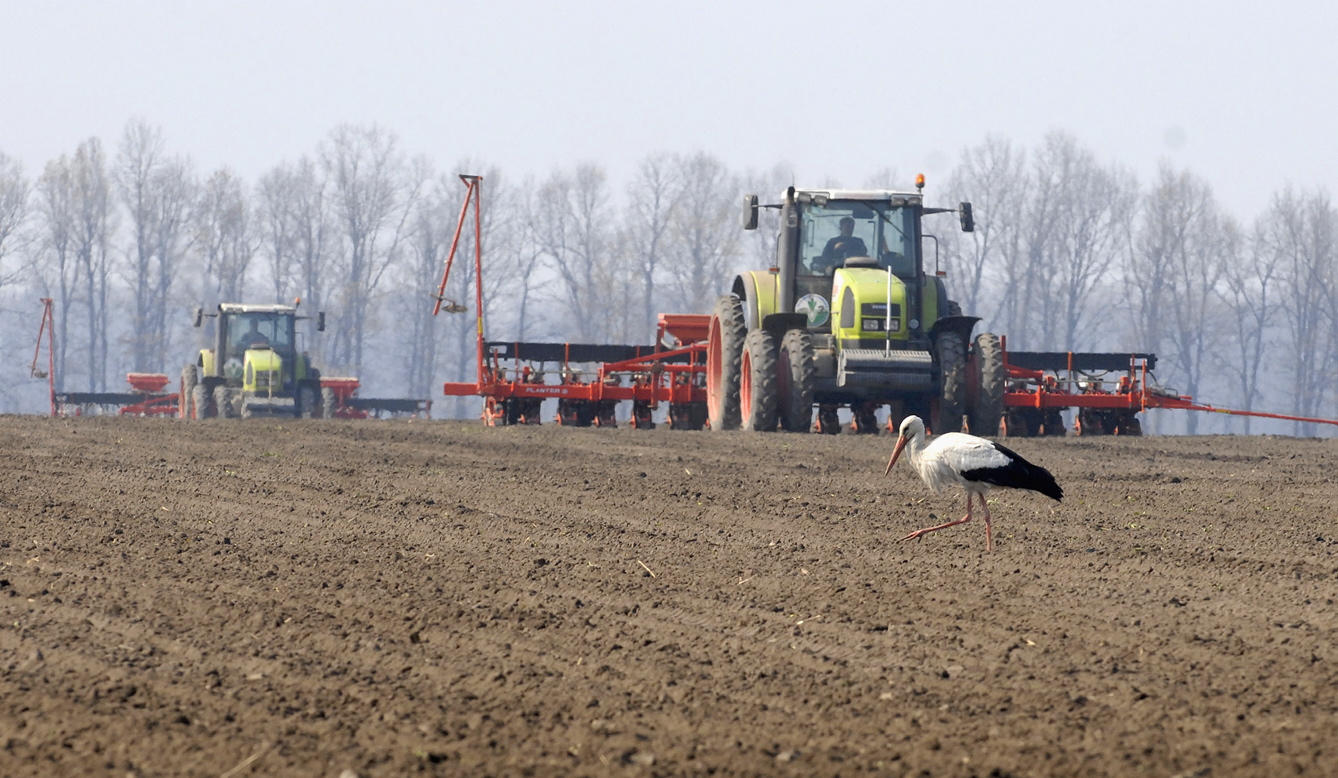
254, 367
848, 317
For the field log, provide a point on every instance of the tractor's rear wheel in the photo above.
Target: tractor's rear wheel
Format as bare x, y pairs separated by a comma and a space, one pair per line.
202, 402
758, 396
328, 403
308, 407
224, 401
190, 378
797, 373
987, 413
723, 363
951, 348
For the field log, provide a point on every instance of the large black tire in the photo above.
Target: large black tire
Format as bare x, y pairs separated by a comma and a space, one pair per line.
985, 417
951, 350
797, 373
190, 378
224, 402
759, 399
328, 403
308, 407
202, 402
723, 359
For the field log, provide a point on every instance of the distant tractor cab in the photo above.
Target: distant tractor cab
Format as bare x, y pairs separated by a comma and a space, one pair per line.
847, 316
254, 368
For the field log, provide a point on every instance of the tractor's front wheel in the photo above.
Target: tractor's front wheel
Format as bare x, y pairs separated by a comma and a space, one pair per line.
951, 348
202, 402
724, 354
758, 396
987, 412
797, 373
190, 378
224, 401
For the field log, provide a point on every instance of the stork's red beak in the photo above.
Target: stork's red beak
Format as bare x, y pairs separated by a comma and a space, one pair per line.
896, 452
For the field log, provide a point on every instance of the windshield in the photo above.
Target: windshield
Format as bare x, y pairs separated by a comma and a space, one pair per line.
260, 330
840, 229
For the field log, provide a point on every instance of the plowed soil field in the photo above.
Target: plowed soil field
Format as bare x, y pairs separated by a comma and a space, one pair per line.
390, 598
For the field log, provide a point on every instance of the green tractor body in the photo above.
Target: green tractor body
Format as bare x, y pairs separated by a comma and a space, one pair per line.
254, 368
853, 319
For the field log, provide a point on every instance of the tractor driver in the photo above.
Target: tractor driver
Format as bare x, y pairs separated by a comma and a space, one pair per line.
839, 248
253, 337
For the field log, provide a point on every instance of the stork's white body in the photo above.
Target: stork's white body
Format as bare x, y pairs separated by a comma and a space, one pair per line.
975, 464
942, 461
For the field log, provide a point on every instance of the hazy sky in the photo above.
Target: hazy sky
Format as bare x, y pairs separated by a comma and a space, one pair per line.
1245, 94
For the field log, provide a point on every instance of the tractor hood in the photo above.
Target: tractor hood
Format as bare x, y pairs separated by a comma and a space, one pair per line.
860, 307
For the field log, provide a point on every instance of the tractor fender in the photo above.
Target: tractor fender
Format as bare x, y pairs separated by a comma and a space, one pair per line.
962, 325
758, 290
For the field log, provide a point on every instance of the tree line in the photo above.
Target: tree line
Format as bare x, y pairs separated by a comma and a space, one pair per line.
1070, 252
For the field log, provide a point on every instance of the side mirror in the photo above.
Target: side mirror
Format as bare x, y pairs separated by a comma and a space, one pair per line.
750, 212
199, 315
320, 321
967, 217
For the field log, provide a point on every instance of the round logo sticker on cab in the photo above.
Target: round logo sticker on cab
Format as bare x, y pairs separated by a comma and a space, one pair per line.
815, 307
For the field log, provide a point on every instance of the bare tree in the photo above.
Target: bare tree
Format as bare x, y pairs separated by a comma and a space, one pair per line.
1298, 231
705, 232
571, 223
1025, 293
159, 192
93, 227
374, 189
653, 202
14, 191
529, 254
224, 237
56, 225
1248, 290
992, 177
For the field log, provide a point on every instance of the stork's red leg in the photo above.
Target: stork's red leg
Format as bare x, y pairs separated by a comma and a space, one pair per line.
927, 530
989, 539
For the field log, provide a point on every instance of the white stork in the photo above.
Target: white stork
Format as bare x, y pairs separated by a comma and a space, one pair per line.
976, 464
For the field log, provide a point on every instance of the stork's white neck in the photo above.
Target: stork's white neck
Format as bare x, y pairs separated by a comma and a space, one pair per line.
916, 445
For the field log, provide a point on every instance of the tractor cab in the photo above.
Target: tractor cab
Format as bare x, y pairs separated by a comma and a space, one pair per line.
846, 316
255, 366
247, 329
852, 262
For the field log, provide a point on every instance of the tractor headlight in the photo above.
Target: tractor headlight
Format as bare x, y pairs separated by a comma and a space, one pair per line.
876, 325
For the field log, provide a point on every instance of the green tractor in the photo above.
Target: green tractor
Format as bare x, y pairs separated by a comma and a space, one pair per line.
254, 367
848, 317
